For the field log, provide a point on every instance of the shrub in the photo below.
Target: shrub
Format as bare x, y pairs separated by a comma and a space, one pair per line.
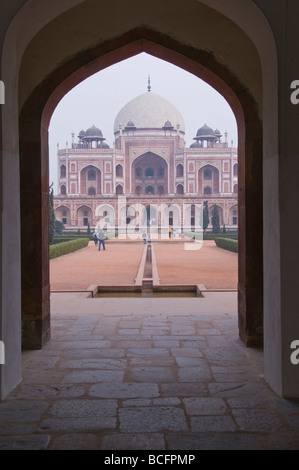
67, 247
59, 227
227, 244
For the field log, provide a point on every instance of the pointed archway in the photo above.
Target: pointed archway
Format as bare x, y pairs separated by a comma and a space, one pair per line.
250, 87
42, 103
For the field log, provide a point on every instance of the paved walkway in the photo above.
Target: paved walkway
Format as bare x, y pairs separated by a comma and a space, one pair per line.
138, 374
119, 264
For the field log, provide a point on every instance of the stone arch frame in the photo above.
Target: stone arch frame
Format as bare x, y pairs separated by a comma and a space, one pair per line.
242, 104
259, 31
62, 190
202, 169
179, 189
231, 215
62, 170
100, 217
62, 207
119, 189
119, 171
89, 210
97, 170
143, 176
179, 169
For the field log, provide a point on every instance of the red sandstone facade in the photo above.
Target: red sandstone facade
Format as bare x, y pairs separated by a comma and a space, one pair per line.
149, 164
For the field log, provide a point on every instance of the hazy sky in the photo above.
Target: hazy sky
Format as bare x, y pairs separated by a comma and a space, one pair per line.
98, 100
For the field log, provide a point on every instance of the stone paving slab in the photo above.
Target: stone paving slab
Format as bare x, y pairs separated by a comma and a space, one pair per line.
192, 385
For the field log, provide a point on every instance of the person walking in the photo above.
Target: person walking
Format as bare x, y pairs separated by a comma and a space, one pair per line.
101, 237
95, 237
144, 237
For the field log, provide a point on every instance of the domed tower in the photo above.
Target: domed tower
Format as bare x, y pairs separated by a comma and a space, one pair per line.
92, 138
149, 114
148, 129
205, 137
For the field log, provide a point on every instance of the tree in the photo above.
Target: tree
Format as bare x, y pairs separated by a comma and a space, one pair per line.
205, 216
51, 215
223, 229
88, 228
59, 227
215, 220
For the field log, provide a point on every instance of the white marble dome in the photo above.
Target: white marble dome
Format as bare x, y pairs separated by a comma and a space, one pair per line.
149, 111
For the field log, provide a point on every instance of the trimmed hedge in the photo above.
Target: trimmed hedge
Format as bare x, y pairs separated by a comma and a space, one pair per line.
65, 248
211, 236
227, 244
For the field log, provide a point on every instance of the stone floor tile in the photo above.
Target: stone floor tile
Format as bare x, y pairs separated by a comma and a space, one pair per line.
26, 391
32, 442
188, 361
212, 441
186, 352
250, 402
213, 424
93, 353
83, 408
147, 352
257, 420
146, 441
71, 425
184, 389
26, 411
154, 361
152, 419
166, 342
124, 390
93, 376
75, 441
205, 406
150, 374
104, 364
194, 374
240, 389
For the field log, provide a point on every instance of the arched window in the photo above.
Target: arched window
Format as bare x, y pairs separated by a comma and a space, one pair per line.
235, 188
180, 189
138, 173
236, 169
149, 173
91, 175
119, 189
63, 190
63, 171
138, 190
160, 189
235, 217
179, 171
207, 174
119, 171
161, 172
207, 190
91, 191
149, 190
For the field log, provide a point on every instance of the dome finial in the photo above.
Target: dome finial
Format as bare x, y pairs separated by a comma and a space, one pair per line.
149, 83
